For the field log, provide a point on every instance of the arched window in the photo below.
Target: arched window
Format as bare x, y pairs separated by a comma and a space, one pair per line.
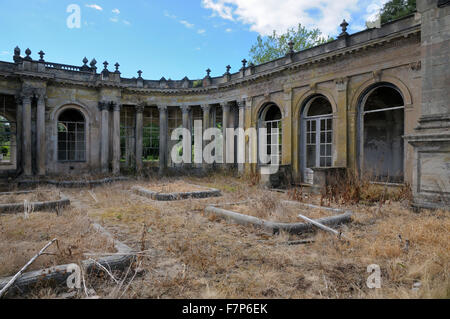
318, 132
7, 140
382, 121
271, 119
71, 136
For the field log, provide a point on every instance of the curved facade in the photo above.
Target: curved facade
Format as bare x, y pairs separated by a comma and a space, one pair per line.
129, 122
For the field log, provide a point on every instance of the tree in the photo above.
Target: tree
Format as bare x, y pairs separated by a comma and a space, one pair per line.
276, 46
396, 9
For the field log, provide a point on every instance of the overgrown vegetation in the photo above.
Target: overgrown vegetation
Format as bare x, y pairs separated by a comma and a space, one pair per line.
277, 45
187, 254
396, 9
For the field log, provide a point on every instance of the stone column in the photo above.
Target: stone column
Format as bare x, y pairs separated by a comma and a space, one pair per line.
116, 138
40, 135
139, 135
104, 136
162, 138
226, 120
206, 108
26, 137
241, 106
187, 143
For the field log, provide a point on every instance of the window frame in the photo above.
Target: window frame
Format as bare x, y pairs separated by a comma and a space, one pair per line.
318, 132
76, 140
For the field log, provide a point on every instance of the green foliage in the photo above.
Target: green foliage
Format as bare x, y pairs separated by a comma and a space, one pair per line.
5, 151
396, 9
197, 83
276, 46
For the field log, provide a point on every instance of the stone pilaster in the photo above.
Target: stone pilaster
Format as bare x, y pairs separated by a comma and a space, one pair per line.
250, 149
104, 136
116, 137
26, 137
139, 136
286, 131
340, 124
162, 138
40, 135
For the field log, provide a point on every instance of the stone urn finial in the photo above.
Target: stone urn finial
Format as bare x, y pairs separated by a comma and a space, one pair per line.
291, 46
208, 72
17, 58
41, 55
28, 53
228, 69
344, 26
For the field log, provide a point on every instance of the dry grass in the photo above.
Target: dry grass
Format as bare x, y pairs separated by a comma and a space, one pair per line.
175, 186
21, 239
269, 206
39, 195
191, 255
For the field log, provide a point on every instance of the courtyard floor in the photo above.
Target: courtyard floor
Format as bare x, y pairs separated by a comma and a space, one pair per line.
188, 254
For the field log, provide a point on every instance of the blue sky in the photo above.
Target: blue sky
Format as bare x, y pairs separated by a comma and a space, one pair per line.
172, 38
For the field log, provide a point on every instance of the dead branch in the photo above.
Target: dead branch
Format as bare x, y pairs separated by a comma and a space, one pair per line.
321, 226
16, 276
105, 270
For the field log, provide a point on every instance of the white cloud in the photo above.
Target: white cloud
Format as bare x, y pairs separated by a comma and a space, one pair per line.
94, 6
126, 22
220, 8
116, 11
374, 9
115, 20
167, 14
268, 15
201, 31
228, 30
187, 24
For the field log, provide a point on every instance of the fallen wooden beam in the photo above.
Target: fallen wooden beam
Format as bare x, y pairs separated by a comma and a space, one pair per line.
274, 227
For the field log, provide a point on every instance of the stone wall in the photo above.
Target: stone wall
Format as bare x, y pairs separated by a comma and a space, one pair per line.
430, 140
342, 71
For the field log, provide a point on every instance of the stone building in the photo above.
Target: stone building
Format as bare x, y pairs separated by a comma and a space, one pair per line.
374, 102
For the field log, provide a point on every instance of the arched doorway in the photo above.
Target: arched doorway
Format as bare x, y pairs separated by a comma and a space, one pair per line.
317, 132
71, 136
381, 144
270, 118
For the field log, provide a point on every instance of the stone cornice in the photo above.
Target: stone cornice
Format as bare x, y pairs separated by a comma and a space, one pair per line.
281, 67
